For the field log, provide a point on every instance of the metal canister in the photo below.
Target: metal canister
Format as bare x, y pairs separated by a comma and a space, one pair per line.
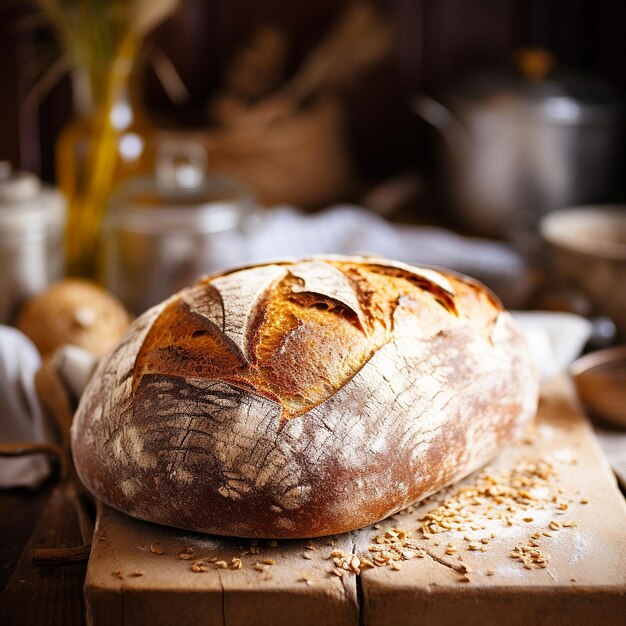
163, 232
527, 141
32, 220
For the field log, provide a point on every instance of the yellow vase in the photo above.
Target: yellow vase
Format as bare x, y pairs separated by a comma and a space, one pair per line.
107, 141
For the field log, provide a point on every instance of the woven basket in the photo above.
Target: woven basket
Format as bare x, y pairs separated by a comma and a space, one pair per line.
300, 159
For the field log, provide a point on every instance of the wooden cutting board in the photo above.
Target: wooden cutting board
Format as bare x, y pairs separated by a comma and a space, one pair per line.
136, 576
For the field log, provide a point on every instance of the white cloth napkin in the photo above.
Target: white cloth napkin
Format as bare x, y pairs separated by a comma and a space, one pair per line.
555, 339
349, 229
21, 415
75, 366
285, 232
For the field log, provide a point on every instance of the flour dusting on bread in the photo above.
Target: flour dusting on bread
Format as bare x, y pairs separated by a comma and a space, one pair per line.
303, 398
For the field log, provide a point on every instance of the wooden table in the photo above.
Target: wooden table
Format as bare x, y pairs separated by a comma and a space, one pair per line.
38, 595
584, 582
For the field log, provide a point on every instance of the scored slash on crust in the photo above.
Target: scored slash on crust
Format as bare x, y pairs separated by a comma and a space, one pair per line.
293, 334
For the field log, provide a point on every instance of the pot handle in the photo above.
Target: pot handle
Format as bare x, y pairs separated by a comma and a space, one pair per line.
440, 117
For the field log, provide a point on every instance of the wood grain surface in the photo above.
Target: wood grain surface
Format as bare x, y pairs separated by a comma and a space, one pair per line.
129, 582
47, 595
613, 443
168, 591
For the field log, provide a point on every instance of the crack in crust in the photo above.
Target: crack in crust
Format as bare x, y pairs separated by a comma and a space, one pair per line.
291, 333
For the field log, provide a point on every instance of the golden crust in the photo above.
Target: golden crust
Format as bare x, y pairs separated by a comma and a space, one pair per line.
258, 400
303, 343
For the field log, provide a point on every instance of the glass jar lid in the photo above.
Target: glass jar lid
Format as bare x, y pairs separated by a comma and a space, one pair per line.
181, 196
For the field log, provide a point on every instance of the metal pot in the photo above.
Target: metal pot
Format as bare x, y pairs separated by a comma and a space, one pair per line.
522, 143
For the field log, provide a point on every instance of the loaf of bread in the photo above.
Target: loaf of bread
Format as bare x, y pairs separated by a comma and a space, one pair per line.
300, 399
74, 312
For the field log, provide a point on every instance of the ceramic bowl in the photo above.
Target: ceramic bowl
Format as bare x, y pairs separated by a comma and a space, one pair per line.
600, 379
589, 245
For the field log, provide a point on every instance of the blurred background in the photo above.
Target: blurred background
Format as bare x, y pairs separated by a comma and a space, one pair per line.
145, 143
436, 42
176, 138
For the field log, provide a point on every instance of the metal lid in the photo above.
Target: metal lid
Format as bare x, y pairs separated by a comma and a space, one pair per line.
535, 89
181, 197
27, 204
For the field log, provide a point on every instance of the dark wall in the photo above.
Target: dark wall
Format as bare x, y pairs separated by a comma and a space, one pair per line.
437, 41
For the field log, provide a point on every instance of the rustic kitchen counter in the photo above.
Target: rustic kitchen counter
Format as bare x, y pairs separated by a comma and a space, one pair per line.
569, 537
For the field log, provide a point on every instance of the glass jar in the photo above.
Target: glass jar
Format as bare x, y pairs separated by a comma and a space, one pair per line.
32, 220
163, 232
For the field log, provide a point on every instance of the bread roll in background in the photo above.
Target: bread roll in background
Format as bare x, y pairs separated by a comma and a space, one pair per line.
74, 312
299, 399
